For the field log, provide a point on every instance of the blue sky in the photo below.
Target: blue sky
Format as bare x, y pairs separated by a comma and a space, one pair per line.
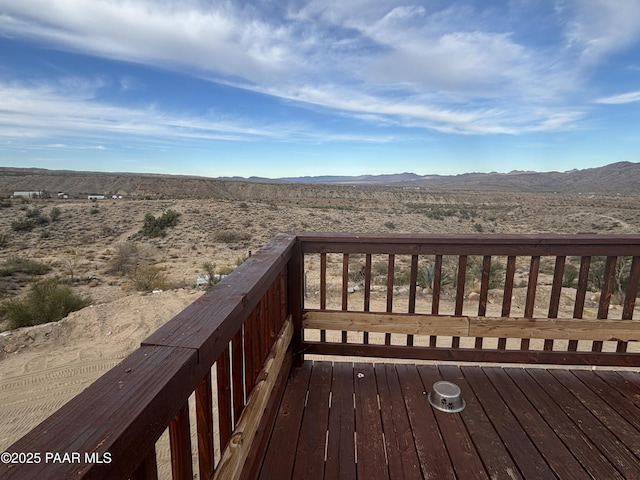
319, 87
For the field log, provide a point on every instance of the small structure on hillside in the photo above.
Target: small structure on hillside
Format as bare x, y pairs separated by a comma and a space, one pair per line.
31, 194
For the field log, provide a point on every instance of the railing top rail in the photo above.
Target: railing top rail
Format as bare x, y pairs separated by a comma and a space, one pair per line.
472, 244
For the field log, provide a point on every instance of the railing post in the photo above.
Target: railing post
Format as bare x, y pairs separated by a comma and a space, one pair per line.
295, 278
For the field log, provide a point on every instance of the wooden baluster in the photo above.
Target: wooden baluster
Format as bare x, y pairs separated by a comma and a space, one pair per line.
507, 294
367, 292
323, 290
462, 275
204, 423
345, 289
237, 375
630, 298
605, 296
484, 292
556, 291
248, 336
390, 277
530, 302
225, 416
257, 345
148, 468
413, 286
180, 445
435, 290
581, 292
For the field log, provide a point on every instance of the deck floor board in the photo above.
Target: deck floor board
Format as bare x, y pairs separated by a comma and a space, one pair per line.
373, 421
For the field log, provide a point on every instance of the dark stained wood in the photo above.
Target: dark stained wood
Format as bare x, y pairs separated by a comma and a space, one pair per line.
460, 284
345, 287
581, 291
555, 453
180, 444
225, 414
148, 469
476, 244
341, 460
589, 456
369, 441
632, 289
390, 277
280, 456
260, 443
462, 451
204, 427
556, 288
607, 286
532, 284
432, 453
309, 461
401, 451
601, 437
518, 423
237, 375
295, 296
604, 412
323, 280
523, 451
437, 285
484, 285
473, 354
367, 291
491, 449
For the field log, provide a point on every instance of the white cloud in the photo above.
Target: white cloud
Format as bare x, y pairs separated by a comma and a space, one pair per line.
630, 97
407, 63
601, 27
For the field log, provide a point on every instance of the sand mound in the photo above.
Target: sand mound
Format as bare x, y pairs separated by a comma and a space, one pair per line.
43, 367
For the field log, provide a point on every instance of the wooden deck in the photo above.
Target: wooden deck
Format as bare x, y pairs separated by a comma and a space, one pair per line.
373, 421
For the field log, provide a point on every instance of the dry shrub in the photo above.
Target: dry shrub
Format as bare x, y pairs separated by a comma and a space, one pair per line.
148, 278
124, 259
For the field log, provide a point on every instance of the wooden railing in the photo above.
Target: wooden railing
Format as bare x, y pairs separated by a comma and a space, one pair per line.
237, 333
438, 297
394, 290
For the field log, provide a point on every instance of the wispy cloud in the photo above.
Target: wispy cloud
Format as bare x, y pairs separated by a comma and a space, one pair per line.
414, 65
621, 98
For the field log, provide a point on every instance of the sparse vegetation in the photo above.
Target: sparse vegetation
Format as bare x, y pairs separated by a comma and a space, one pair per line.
228, 236
155, 227
149, 277
14, 265
47, 301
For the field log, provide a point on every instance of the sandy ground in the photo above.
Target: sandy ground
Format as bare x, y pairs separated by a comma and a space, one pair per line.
52, 363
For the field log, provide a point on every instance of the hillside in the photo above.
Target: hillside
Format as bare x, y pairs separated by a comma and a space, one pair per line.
618, 178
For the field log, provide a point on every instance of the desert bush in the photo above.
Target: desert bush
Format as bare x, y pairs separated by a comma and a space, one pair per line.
4, 240
55, 213
23, 224
155, 227
228, 236
570, 277
15, 265
148, 278
47, 301
124, 259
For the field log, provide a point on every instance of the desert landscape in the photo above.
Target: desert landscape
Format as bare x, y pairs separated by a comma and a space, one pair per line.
134, 278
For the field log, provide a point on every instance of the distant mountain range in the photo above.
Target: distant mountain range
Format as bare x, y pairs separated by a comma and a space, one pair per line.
617, 178
621, 177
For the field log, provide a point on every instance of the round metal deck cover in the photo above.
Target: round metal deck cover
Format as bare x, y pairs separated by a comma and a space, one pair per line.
446, 397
